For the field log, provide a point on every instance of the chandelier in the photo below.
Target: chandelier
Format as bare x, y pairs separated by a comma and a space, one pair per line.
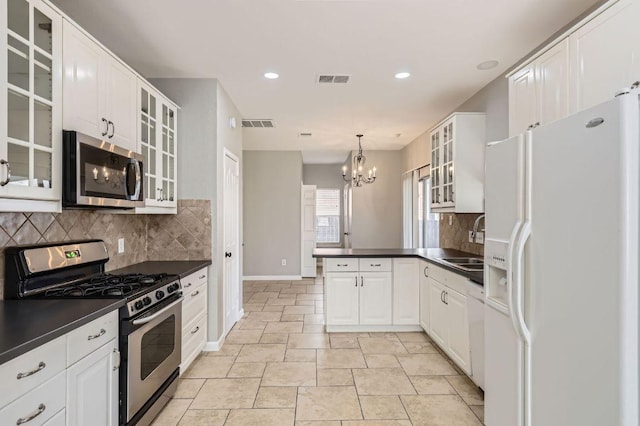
357, 178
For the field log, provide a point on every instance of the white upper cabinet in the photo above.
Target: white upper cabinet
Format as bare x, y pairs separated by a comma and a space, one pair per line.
157, 140
30, 107
457, 164
99, 92
588, 66
605, 55
539, 92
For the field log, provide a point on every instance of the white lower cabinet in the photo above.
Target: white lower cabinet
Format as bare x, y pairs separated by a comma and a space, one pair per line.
374, 298
448, 322
424, 295
92, 388
194, 316
65, 381
372, 294
406, 291
342, 298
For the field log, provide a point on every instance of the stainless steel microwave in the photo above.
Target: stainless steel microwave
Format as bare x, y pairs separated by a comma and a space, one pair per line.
97, 173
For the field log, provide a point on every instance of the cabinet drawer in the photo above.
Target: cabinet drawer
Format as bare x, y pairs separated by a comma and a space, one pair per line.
89, 337
450, 279
437, 273
194, 337
48, 399
43, 363
194, 280
375, 264
58, 419
194, 304
341, 265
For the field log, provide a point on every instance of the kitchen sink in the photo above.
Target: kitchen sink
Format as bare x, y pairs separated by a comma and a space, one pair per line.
468, 264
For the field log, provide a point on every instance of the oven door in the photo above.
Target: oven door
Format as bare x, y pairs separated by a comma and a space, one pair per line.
154, 352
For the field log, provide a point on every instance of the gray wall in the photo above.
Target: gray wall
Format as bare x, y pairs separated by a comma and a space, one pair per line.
203, 119
377, 207
272, 197
326, 176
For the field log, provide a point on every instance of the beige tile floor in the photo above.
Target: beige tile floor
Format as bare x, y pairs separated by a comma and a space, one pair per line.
278, 367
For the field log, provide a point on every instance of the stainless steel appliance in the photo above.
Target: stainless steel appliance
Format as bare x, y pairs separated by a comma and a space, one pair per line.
150, 321
96, 173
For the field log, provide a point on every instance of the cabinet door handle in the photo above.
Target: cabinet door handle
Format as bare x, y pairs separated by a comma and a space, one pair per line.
341, 264
32, 416
106, 126
361, 281
8, 166
195, 293
40, 367
201, 277
95, 336
356, 281
113, 129
442, 296
426, 268
195, 330
446, 298
376, 264
116, 364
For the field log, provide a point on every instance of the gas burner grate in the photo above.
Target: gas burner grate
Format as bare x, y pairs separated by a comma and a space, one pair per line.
107, 285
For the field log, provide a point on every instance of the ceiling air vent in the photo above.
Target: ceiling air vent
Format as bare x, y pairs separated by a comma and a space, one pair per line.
330, 78
255, 123
305, 134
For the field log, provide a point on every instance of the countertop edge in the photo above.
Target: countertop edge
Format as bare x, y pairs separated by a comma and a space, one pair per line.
22, 349
476, 277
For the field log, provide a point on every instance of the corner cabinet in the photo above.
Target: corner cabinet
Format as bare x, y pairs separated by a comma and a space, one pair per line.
457, 164
157, 131
99, 91
30, 107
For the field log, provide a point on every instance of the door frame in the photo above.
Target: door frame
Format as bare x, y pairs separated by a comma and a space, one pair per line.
302, 229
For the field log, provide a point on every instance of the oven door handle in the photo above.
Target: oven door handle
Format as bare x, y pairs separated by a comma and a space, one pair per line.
150, 318
138, 176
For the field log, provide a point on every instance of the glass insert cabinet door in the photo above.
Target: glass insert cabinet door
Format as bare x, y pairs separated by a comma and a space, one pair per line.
30, 101
157, 142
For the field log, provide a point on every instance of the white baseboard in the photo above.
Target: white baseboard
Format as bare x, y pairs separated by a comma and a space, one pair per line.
214, 346
371, 328
271, 277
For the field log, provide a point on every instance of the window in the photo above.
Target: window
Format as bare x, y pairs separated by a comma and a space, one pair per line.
328, 216
420, 226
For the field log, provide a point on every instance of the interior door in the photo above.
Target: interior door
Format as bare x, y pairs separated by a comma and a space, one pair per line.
308, 267
231, 228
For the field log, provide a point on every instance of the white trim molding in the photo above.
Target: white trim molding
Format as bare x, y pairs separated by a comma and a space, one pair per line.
213, 346
271, 277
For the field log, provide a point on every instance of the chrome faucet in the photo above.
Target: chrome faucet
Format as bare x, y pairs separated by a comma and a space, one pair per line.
475, 227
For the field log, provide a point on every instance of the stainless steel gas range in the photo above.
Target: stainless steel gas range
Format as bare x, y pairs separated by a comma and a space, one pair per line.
150, 320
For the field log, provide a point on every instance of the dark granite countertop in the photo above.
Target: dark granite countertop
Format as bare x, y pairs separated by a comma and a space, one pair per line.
27, 324
430, 255
175, 267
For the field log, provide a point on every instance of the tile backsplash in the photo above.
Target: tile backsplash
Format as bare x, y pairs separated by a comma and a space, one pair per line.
456, 235
184, 236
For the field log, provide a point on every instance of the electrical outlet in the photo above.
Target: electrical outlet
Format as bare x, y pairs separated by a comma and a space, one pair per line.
450, 219
470, 236
120, 245
284, 262
480, 238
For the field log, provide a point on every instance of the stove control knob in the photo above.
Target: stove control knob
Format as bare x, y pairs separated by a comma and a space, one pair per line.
173, 287
146, 301
159, 294
170, 289
139, 305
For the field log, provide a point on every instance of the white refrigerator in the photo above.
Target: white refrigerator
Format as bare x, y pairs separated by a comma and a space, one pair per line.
561, 271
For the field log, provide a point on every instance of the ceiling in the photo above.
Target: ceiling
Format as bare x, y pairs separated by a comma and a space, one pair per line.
440, 42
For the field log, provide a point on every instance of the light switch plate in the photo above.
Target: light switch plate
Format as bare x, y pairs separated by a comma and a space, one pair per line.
470, 236
120, 245
284, 262
480, 238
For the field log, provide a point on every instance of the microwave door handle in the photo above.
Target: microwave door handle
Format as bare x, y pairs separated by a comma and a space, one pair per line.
136, 193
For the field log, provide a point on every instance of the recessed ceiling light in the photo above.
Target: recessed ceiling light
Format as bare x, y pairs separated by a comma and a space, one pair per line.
487, 65
271, 75
402, 75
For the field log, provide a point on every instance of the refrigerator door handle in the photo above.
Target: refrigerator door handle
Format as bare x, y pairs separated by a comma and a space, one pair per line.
517, 290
